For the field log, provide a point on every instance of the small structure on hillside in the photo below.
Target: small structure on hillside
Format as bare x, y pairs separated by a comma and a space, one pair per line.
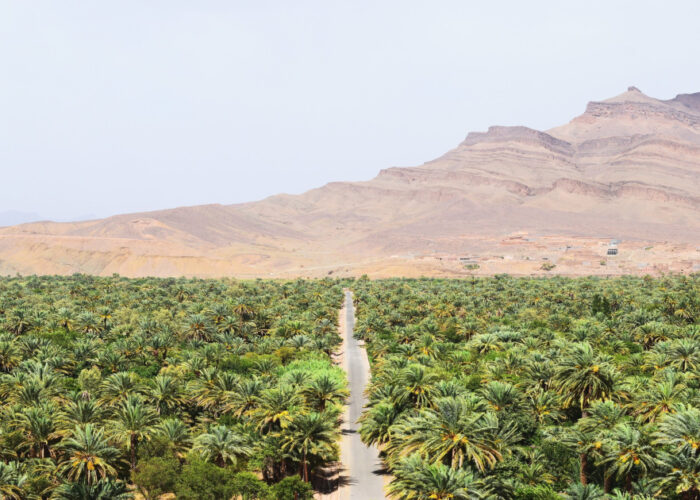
612, 247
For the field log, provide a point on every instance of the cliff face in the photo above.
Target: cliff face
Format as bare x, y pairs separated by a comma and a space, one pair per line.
628, 168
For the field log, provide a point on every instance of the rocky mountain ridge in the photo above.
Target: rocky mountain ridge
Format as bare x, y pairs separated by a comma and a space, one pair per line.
627, 168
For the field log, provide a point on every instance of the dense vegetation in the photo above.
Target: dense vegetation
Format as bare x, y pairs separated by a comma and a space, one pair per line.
205, 388
535, 388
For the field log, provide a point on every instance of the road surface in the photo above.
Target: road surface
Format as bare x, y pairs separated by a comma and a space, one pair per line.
361, 463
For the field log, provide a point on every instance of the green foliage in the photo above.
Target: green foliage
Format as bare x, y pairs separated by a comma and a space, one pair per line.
535, 386
104, 489
156, 476
539, 492
200, 480
249, 487
291, 488
176, 384
89, 380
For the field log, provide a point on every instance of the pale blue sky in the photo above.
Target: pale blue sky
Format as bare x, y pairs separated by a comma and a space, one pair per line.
119, 106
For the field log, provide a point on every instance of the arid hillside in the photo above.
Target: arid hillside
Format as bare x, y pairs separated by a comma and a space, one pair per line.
511, 199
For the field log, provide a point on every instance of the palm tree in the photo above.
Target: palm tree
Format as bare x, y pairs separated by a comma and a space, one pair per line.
324, 390
40, 431
416, 479
450, 433
680, 473
659, 399
11, 481
9, 355
503, 397
165, 394
545, 406
583, 377
176, 435
580, 491
308, 435
118, 387
80, 412
376, 423
18, 322
133, 422
418, 385
87, 455
595, 430
245, 398
222, 445
680, 431
630, 452
197, 328
276, 407
685, 355
213, 389
104, 489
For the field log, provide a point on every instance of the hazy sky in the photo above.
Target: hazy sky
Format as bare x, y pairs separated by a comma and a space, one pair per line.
118, 106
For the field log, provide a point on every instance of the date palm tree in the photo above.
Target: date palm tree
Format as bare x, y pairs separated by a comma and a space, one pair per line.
118, 387
630, 452
452, 434
582, 377
245, 398
104, 489
276, 408
680, 473
685, 355
176, 435
9, 355
324, 390
11, 481
376, 423
197, 328
87, 456
416, 479
80, 412
133, 422
418, 385
310, 435
680, 431
40, 431
165, 394
580, 491
222, 445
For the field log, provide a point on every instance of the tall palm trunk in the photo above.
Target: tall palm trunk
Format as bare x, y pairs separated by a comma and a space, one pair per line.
607, 482
583, 457
305, 467
132, 451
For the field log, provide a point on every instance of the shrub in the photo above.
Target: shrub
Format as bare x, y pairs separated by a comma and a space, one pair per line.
156, 476
200, 480
291, 488
249, 487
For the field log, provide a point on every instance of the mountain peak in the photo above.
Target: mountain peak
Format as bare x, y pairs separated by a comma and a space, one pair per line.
633, 94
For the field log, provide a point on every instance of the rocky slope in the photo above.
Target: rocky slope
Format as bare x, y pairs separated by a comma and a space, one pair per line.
511, 199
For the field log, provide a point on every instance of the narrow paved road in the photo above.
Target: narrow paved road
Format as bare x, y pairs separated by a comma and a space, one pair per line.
362, 463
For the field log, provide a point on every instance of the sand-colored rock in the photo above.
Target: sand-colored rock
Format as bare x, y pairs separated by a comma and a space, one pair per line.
504, 200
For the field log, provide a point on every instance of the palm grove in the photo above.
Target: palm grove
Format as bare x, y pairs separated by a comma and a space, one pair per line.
208, 389
535, 388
